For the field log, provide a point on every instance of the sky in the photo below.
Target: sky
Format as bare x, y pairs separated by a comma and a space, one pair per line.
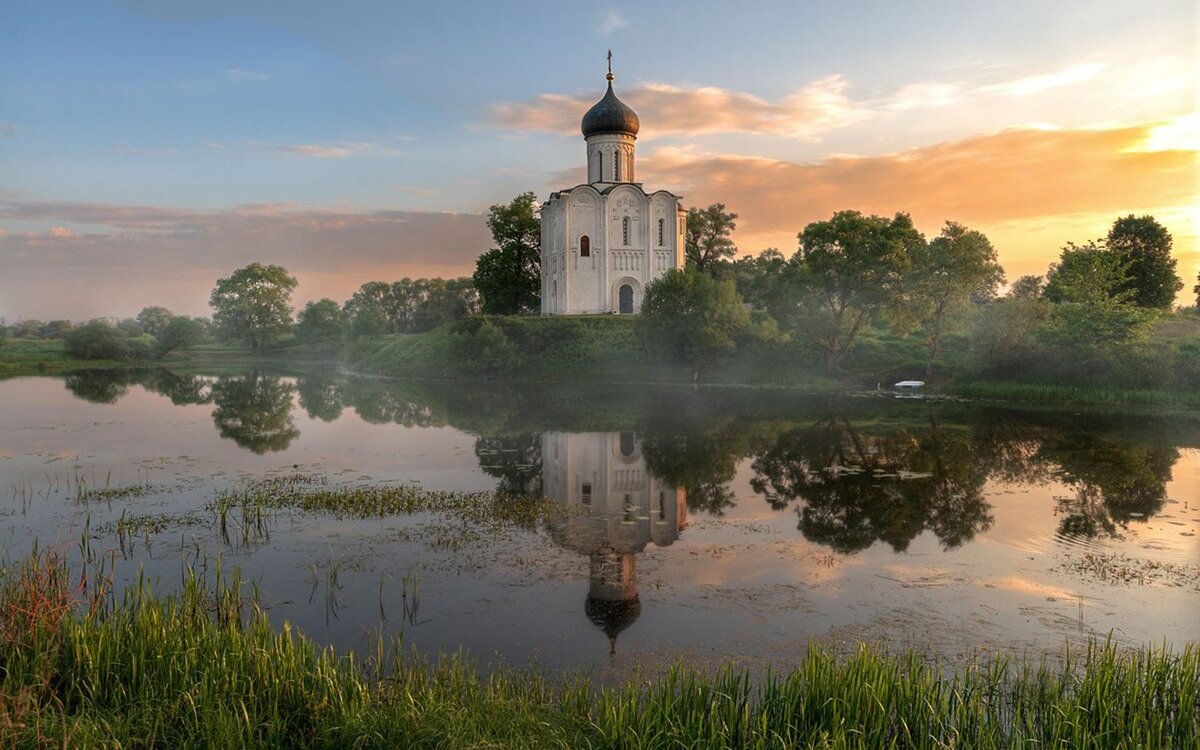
149, 147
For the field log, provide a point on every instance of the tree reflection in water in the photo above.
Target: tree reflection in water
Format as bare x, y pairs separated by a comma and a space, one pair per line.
857, 471
255, 411
1115, 482
858, 488
516, 460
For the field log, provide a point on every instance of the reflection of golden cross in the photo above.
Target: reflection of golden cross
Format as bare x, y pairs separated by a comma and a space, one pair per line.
610, 61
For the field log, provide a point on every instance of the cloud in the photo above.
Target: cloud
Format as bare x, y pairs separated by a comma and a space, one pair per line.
924, 96
611, 21
7, 130
666, 109
809, 113
416, 190
318, 151
334, 150
243, 75
1038, 83
1020, 182
118, 254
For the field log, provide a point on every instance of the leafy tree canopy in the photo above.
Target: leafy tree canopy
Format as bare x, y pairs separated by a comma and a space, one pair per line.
254, 304
707, 238
690, 314
154, 319
1026, 287
958, 266
508, 276
1096, 308
848, 269
1145, 247
180, 332
320, 324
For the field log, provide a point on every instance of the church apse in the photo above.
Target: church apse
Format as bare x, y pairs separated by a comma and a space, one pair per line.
615, 509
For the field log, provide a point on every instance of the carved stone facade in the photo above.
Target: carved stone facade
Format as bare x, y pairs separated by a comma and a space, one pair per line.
605, 240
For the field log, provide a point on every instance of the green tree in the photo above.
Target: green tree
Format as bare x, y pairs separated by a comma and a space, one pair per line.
1196, 289
847, 270
181, 331
947, 274
320, 324
1005, 339
374, 304
1145, 247
1095, 308
1026, 287
130, 327
508, 276
97, 339
30, 328
56, 329
154, 320
254, 304
707, 240
754, 275
690, 315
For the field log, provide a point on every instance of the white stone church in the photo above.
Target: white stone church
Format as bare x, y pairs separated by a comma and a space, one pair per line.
604, 241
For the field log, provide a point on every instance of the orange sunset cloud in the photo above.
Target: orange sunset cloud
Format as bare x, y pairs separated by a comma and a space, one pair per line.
1032, 190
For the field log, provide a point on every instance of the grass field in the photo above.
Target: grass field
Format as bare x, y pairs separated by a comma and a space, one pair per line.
206, 668
30, 356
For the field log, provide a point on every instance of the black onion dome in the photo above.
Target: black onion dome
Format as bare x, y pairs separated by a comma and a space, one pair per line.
610, 115
612, 617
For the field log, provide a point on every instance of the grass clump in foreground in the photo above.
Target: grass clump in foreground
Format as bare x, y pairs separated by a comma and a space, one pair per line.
205, 668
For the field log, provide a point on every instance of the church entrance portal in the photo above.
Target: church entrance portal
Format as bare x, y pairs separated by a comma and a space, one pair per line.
625, 296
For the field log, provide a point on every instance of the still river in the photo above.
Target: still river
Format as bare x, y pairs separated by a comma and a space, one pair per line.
708, 525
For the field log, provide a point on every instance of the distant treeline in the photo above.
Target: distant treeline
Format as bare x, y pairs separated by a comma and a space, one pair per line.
1102, 312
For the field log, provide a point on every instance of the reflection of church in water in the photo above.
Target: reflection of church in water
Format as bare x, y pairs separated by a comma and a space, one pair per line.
615, 508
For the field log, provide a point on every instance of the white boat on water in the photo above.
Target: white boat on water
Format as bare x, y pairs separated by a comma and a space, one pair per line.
910, 384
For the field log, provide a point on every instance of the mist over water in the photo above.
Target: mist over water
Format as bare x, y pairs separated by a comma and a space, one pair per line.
709, 524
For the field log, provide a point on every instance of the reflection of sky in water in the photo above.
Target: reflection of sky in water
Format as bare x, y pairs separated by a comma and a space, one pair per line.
695, 531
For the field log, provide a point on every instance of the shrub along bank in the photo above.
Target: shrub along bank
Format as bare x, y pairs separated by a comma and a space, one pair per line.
1162, 371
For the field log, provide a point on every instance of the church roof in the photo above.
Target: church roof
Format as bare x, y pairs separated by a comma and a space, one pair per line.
610, 114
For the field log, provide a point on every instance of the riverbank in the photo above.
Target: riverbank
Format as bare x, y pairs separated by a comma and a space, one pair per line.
33, 356
1163, 373
207, 668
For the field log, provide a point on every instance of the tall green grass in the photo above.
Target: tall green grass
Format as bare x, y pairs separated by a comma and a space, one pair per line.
1059, 394
206, 668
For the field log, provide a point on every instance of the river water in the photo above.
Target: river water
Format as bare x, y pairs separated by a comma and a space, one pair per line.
706, 525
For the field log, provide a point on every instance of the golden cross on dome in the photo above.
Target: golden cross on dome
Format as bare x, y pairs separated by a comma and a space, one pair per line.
610, 75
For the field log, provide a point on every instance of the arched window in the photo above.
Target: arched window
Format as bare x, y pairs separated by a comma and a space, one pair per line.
627, 444
661, 224
585, 247
617, 166
625, 231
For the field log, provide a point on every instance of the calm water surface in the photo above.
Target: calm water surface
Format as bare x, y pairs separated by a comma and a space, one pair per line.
708, 525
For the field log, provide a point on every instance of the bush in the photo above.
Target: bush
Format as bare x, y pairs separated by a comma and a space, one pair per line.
98, 339
484, 350
180, 332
